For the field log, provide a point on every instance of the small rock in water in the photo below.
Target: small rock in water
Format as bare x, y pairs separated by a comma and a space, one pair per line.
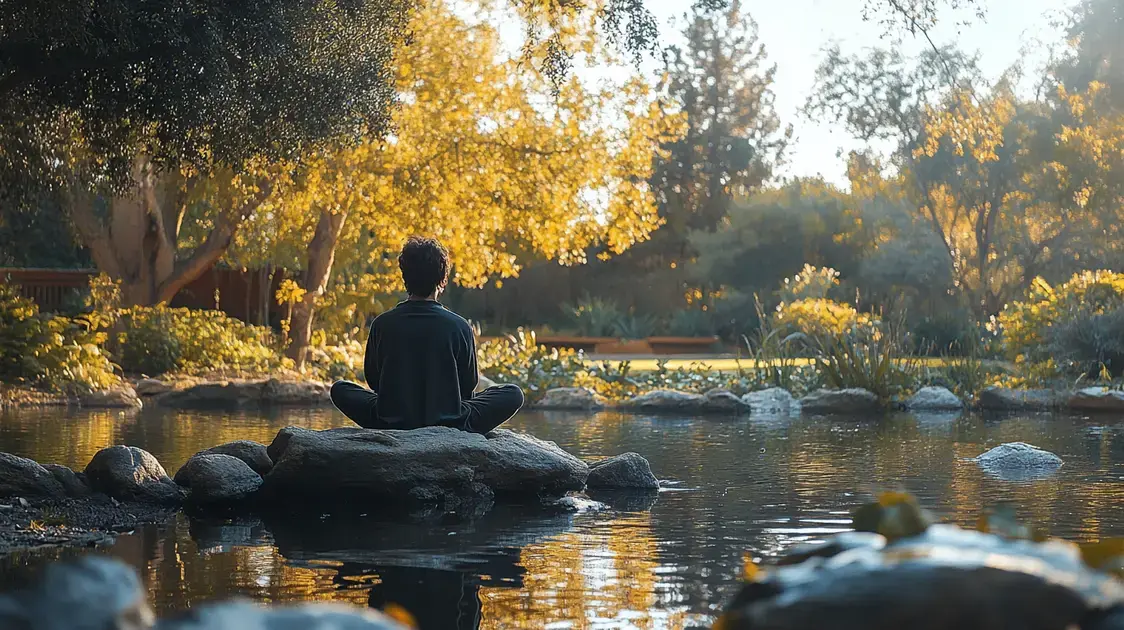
775, 400
129, 473
151, 387
840, 401
1019, 456
21, 477
1004, 399
578, 504
625, 471
577, 398
74, 485
934, 399
1097, 399
253, 453
215, 479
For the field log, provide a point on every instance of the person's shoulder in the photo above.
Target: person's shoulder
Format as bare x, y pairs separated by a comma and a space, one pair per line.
454, 317
388, 314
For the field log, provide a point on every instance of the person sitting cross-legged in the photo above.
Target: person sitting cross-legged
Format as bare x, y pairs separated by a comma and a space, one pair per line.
420, 360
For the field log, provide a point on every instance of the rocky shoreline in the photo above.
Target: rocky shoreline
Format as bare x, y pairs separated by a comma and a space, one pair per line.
431, 470
243, 394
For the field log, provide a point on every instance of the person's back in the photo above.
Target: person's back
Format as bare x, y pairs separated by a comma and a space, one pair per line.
421, 360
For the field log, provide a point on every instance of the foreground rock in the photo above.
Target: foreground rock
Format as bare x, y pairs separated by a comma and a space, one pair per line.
128, 473
772, 401
253, 453
1016, 459
1003, 399
840, 401
571, 398
248, 394
943, 578
626, 471
22, 477
217, 480
671, 401
76, 522
1097, 399
434, 465
97, 593
934, 399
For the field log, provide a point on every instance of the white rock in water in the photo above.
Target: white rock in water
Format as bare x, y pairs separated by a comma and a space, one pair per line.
564, 398
775, 400
1018, 455
934, 399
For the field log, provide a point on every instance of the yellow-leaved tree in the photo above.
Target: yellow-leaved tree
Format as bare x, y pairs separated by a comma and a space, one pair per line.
489, 156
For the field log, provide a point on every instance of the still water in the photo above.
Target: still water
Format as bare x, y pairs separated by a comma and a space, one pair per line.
733, 486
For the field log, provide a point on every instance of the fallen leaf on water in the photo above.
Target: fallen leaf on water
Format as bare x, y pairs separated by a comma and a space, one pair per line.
400, 614
751, 572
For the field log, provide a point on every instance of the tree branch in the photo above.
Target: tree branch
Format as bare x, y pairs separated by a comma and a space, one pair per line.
217, 242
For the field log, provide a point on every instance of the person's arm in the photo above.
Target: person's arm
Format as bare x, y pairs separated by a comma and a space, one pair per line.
466, 366
370, 358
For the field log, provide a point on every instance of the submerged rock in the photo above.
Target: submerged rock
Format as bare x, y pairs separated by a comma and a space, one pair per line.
253, 453
624, 471
316, 616
120, 397
22, 477
941, 579
128, 473
1003, 399
216, 479
775, 400
428, 465
720, 400
934, 399
93, 593
74, 485
576, 398
840, 401
1097, 399
1018, 457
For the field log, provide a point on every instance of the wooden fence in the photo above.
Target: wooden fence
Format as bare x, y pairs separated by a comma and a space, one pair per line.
246, 295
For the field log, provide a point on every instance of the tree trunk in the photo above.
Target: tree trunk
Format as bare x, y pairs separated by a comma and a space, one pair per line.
318, 270
137, 243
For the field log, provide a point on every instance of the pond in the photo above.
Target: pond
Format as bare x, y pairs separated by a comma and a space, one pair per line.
734, 486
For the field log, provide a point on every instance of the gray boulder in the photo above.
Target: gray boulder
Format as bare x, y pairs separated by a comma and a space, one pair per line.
94, 593
934, 399
120, 397
216, 479
671, 401
1018, 456
840, 401
429, 465
1097, 399
129, 473
775, 400
317, 616
22, 477
625, 471
248, 394
1003, 399
664, 400
74, 485
576, 398
253, 453
152, 387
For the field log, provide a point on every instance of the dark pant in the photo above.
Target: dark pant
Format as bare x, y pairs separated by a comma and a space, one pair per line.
483, 412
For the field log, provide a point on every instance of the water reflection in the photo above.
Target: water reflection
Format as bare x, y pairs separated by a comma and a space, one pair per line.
665, 560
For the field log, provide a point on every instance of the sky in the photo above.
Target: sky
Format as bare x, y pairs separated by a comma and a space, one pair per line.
795, 32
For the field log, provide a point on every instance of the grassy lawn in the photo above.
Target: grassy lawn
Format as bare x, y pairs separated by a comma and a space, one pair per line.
721, 364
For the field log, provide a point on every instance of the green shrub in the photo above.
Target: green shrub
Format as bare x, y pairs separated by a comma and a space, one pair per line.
876, 357
519, 359
691, 323
1076, 325
951, 333
159, 339
812, 283
635, 327
593, 317
55, 352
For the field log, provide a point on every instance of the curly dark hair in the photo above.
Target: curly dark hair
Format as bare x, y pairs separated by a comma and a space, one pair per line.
425, 266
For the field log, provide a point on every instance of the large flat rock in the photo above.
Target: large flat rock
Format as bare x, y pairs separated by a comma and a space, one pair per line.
430, 465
